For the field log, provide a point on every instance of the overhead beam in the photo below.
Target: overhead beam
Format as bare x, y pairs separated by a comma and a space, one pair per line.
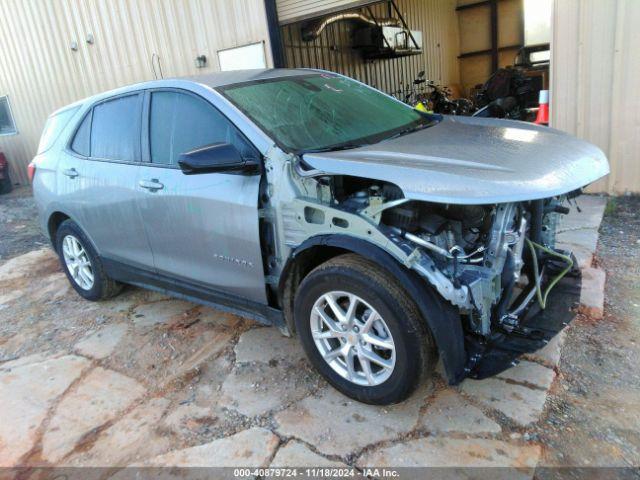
475, 53
467, 6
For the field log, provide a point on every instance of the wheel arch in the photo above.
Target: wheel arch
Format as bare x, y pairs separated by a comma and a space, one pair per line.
56, 218
53, 223
446, 327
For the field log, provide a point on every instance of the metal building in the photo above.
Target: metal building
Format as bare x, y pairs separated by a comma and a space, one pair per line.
53, 52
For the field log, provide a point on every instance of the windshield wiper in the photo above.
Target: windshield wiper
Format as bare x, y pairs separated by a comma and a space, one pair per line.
333, 148
413, 128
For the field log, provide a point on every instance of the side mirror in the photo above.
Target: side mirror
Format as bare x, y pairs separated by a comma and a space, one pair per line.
218, 157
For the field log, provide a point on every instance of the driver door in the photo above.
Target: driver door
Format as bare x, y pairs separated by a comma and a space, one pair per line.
203, 228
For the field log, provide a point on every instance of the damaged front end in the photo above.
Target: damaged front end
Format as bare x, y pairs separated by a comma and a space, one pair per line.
497, 264
462, 211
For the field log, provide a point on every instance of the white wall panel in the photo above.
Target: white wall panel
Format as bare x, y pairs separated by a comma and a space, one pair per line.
594, 82
40, 72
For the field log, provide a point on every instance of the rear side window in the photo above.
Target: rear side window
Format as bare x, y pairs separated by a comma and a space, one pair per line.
179, 123
55, 124
81, 141
114, 129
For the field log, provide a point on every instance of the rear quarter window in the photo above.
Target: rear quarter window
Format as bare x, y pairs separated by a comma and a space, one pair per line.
81, 140
54, 126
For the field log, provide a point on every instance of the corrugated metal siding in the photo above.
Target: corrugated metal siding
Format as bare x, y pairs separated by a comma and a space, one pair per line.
332, 50
295, 10
594, 82
40, 72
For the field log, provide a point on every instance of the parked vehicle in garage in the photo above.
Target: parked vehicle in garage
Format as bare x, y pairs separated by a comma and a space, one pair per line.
382, 236
5, 179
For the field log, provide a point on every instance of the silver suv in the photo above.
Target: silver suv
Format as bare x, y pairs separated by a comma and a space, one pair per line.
382, 236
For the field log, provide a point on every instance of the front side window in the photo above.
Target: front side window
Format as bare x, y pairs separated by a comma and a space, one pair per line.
322, 111
7, 124
179, 123
114, 129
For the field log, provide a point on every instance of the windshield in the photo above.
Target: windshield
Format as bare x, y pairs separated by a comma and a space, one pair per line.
322, 112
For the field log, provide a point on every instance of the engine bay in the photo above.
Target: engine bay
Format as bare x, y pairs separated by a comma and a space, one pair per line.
502, 256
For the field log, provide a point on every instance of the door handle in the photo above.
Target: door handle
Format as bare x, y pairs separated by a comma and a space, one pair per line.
70, 172
152, 184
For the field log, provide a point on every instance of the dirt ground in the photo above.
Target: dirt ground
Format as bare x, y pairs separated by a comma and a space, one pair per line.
147, 380
593, 414
19, 230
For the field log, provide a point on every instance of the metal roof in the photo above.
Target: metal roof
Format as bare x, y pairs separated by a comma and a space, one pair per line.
210, 80
219, 79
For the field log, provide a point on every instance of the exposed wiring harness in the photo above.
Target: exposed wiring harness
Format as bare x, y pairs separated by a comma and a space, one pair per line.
542, 298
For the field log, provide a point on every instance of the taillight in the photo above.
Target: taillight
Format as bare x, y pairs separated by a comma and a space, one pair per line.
31, 171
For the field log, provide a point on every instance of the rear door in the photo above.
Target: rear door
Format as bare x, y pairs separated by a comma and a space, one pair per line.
98, 178
202, 228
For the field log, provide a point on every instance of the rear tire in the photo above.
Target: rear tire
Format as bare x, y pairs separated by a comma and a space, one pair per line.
403, 351
82, 265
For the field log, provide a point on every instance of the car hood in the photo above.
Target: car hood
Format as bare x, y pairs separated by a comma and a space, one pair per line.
468, 160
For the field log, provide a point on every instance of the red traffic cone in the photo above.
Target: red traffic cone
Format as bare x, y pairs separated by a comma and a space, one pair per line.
542, 118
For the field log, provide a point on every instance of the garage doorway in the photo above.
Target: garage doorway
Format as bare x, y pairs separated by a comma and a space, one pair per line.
458, 44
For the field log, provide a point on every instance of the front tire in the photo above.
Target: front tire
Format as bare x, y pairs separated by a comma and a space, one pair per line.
362, 331
82, 264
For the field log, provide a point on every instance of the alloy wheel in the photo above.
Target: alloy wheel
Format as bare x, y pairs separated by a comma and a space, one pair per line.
353, 338
77, 262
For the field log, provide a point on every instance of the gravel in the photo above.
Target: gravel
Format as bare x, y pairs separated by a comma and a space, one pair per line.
593, 415
19, 224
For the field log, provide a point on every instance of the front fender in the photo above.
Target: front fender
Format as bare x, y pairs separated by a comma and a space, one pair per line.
442, 318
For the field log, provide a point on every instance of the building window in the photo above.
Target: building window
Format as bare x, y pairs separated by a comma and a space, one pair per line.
7, 125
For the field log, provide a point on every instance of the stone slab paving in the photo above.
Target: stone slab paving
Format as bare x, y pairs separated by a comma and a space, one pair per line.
296, 454
21, 267
267, 345
162, 311
102, 343
28, 389
250, 448
529, 373
131, 439
270, 372
101, 396
521, 404
256, 389
7, 298
453, 452
450, 412
549, 355
337, 425
142, 379
592, 292
578, 231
